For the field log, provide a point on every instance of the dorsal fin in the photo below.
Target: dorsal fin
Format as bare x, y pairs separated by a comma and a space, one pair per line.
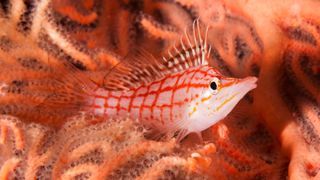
191, 51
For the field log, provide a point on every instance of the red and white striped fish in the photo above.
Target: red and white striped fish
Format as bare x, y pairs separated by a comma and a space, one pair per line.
180, 93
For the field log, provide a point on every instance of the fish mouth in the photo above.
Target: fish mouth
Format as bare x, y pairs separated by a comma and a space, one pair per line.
243, 86
251, 80
247, 84
233, 94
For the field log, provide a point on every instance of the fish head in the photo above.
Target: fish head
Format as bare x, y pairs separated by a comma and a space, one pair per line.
220, 94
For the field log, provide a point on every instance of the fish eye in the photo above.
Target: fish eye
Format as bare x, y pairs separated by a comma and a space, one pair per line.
214, 85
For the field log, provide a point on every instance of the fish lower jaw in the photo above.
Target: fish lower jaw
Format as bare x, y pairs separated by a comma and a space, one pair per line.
197, 126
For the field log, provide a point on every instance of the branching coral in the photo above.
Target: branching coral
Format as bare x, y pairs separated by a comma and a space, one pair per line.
275, 40
245, 148
87, 149
293, 92
34, 20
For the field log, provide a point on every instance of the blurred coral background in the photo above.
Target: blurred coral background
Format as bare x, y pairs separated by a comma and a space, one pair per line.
274, 132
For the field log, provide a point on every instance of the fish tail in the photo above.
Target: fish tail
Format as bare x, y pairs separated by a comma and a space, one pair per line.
47, 95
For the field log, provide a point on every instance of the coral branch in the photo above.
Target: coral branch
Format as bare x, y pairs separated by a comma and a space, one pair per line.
130, 152
39, 18
17, 10
8, 168
158, 168
60, 41
157, 30
88, 147
78, 170
74, 15
12, 124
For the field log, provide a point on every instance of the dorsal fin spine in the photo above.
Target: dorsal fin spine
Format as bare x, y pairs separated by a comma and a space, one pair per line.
199, 35
190, 52
174, 61
184, 48
206, 45
189, 42
209, 51
195, 35
165, 59
182, 45
181, 56
186, 52
199, 45
186, 65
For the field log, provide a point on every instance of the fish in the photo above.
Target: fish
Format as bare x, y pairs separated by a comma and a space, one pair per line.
180, 93
175, 96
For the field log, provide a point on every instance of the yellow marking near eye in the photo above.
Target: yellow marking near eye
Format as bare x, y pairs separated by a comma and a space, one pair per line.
206, 98
225, 102
193, 111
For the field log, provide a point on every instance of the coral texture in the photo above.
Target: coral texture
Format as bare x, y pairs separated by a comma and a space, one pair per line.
278, 41
87, 149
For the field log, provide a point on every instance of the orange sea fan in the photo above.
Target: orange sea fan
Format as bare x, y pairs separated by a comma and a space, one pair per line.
275, 40
88, 149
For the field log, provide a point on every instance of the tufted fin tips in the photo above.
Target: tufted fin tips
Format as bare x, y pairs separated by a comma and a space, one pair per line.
142, 68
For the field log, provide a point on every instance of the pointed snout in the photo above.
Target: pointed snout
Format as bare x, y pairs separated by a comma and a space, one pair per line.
231, 94
250, 82
234, 84
243, 86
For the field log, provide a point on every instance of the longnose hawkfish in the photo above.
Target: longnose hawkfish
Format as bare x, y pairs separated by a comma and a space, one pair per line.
179, 94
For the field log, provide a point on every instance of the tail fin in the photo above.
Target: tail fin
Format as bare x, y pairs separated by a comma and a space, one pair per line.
47, 95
